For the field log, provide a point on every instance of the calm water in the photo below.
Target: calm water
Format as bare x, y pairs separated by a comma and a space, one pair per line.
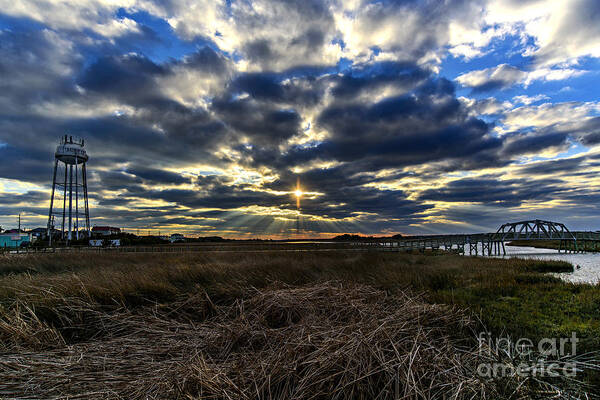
589, 271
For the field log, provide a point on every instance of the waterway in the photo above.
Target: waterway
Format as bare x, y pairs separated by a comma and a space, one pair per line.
588, 263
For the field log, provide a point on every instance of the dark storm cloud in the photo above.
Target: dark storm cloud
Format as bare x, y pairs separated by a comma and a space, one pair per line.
296, 87
32, 196
259, 86
222, 197
262, 124
128, 76
259, 50
427, 124
159, 176
346, 202
24, 164
211, 191
137, 141
312, 39
523, 143
206, 59
324, 179
561, 166
373, 77
24, 81
587, 132
114, 180
494, 190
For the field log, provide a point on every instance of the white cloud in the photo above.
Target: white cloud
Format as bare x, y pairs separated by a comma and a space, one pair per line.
276, 35
193, 83
487, 106
562, 30
549, 114
272, 35
406, 32
474, 41
527, 100
96, 15
504, 75
557, 74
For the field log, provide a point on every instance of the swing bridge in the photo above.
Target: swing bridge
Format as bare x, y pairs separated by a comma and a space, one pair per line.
494, 243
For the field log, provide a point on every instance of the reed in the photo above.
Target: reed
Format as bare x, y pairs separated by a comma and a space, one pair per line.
307, 325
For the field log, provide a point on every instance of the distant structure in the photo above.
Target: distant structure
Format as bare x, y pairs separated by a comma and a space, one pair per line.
71, 182
177, 237
105, 230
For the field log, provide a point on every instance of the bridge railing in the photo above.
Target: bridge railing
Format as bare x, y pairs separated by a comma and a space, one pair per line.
533, 236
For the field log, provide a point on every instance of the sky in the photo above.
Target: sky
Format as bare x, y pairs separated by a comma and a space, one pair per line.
204, 117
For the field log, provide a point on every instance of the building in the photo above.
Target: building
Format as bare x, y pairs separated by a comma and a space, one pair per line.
8, 239
105, 242
39, 233
105, 231
177, 237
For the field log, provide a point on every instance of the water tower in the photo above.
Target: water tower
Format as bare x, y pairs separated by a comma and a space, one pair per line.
71, 183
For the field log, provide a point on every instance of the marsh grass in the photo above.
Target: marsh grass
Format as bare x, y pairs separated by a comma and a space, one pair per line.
273, 324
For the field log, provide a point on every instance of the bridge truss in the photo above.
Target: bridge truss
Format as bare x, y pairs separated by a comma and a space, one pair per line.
534, 230
537, 230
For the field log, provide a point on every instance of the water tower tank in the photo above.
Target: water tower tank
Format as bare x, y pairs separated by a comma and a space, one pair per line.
70, 150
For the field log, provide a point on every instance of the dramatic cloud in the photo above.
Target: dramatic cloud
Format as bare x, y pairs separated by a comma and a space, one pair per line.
392, 116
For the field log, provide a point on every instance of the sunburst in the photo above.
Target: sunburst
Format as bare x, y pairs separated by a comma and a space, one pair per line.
298, 193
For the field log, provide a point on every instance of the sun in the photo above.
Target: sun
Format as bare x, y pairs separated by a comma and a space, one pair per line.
298, 193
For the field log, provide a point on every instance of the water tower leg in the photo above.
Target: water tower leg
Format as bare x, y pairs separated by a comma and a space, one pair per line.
52, 204
85, 196
76, 202
70, 201
62, 232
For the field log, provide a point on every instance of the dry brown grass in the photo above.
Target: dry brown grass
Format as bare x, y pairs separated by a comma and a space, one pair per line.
325, 341
246, 326
131, 279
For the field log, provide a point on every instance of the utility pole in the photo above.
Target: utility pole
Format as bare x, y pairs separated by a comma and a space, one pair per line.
50, 230
19, 223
